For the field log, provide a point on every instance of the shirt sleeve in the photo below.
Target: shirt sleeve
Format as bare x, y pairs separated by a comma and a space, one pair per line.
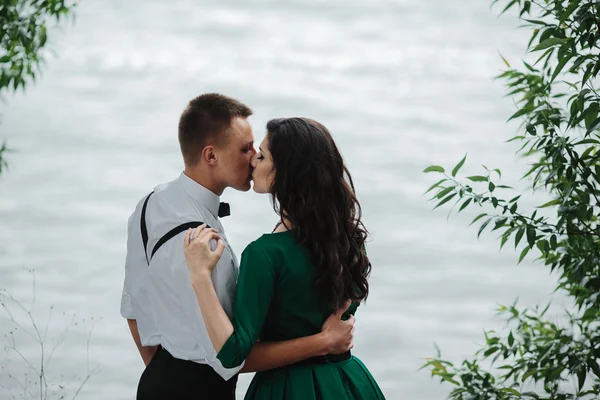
224, 278
135, 263
254, 294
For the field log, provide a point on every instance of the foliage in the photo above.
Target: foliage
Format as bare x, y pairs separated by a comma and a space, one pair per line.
559, 106
24, 26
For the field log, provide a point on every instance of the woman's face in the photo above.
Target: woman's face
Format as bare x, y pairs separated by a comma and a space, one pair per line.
263, 172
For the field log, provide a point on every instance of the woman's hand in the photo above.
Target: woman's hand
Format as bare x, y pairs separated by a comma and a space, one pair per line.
199, 257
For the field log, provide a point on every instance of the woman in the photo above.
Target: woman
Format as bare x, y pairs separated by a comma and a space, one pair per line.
291, 280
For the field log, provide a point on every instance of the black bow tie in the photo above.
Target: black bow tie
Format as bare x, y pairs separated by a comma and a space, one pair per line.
224, 210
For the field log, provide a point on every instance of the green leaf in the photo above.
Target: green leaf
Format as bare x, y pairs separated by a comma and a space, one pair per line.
512, 391
567, 13
458, 166
500, 223
551, 203
443, 192
512, 3
549, 43
586, 141
477, 218
434, 168
581, 374
522, 256
43, 36
491, 187
543, 246
594, 366
547, 53
504, 59
477, 178
438, 183
511, 339
491, 351
553, 242
465, 204
591, 114
514, 199
515, 138
535, 34
536, 22
531, 234
483, 226
447, 199
560, 66
504, 239
594, 125
521, 112
518, 236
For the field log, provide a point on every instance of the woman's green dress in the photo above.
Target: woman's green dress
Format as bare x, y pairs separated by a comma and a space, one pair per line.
276, 301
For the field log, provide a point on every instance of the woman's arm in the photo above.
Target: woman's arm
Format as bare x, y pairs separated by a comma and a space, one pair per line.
254, 294
336, 337
217, 322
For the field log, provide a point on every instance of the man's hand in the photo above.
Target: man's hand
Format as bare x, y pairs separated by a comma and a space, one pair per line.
339, 334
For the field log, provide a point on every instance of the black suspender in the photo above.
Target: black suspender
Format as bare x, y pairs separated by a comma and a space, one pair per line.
143, 227
174, 232
169, 235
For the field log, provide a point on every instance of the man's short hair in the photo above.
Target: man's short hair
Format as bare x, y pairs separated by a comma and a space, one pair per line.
205, 121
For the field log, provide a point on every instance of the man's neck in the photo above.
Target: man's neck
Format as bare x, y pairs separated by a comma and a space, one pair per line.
205, 179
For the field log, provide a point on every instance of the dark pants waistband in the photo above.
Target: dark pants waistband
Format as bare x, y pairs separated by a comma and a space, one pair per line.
167, 377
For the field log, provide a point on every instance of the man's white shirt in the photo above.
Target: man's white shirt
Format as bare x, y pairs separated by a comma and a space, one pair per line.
159, 296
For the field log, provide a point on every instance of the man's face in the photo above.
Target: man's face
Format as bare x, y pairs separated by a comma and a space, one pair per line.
234, 158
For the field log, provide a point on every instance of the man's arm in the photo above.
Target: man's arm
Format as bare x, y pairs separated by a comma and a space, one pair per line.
147, 352
336, 337
135, 264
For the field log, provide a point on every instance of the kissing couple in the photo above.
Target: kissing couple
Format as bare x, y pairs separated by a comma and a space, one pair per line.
287, 310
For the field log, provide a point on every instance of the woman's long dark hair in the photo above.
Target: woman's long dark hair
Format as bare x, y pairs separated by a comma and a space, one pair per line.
313, 189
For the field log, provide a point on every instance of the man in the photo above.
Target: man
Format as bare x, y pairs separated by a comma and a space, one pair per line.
158, 300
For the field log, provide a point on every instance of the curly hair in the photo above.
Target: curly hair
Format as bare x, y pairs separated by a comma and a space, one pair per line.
313, 189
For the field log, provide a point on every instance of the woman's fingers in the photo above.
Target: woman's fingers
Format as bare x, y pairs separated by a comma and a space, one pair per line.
206, 238
205, 232
186, 238
220, 247
202, 235
197, 231
340, 311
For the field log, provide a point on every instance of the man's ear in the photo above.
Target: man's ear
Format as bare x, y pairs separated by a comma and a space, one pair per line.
208, 155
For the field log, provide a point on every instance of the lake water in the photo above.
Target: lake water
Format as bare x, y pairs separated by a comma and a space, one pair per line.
400, 83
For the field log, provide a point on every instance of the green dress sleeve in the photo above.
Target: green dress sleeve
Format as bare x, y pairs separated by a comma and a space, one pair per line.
253, 296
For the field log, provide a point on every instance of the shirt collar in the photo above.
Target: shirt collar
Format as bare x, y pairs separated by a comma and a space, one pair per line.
199, 193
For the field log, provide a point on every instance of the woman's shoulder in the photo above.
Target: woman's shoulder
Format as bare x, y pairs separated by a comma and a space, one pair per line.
275, 239
271, 244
